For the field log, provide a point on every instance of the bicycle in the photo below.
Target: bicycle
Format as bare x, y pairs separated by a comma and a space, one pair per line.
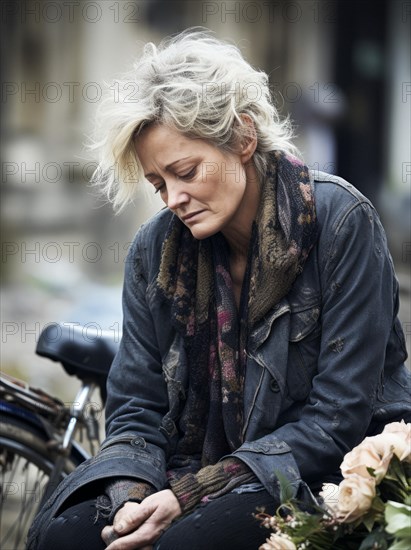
37, 430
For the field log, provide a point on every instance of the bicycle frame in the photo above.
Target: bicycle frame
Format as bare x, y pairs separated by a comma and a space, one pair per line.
57, 421
37, 430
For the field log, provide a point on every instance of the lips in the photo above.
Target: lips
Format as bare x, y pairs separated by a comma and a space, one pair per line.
189, 217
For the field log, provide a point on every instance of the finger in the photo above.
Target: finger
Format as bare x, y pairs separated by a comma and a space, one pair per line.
142, 538
130, 517
109, 535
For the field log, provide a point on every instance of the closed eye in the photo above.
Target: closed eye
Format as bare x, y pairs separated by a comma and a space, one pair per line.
160, 187
189, 175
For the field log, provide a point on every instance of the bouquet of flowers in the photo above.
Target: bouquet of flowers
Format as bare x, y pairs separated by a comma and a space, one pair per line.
369, 509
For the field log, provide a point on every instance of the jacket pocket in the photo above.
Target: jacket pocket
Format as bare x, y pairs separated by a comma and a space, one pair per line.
304, 348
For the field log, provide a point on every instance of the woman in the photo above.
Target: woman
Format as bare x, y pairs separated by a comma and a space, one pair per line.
261, 339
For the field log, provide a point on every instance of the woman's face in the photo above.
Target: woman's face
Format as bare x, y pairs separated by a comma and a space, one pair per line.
203, 185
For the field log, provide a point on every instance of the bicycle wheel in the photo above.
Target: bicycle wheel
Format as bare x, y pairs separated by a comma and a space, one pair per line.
25, 465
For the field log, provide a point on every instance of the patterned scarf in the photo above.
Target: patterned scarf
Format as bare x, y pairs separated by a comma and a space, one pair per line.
194, 277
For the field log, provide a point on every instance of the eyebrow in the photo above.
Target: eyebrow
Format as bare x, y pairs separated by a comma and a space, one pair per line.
151, 174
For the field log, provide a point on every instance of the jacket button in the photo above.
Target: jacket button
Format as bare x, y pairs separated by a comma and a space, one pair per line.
274, 387
139, 442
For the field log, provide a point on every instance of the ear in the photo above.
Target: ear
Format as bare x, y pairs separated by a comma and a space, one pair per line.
248, 139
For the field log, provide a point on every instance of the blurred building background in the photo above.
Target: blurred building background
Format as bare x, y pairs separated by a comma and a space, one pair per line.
340, 68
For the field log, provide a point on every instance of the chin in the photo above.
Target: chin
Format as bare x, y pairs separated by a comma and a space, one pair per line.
201, 233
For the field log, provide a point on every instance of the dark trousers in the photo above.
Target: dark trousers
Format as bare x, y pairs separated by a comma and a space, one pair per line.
222, 524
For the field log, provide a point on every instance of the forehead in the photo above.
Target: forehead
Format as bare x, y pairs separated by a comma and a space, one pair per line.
158, 132
162, 145
158, 136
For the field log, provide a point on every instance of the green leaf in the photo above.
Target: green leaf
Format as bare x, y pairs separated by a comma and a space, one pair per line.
403, 544
397, 471
398, 518
376, 539
378, 505
369, 521
391, 490
287, 491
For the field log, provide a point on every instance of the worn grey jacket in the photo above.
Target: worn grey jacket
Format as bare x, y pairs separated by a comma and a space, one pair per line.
324, 367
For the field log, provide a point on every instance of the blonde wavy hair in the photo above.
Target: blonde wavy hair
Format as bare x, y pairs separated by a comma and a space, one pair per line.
196, 84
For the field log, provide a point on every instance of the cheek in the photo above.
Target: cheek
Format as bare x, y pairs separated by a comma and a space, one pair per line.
235, 190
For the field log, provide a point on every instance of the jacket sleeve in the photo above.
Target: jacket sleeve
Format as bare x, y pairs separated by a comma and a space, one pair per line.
358, 296
137, 401
137, 395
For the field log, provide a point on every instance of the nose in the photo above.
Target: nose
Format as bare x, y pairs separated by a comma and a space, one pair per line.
176, 196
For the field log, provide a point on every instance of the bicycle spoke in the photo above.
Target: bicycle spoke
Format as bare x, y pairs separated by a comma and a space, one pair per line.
26, 464
4, 460
7, 483
29, 480
30, 506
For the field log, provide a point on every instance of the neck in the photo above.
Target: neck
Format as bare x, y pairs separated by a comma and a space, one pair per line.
238, 232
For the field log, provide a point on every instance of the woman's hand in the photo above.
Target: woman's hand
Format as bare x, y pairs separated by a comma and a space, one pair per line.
139, 525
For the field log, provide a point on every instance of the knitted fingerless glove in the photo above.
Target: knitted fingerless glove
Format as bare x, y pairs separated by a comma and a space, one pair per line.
210, 482
118, 491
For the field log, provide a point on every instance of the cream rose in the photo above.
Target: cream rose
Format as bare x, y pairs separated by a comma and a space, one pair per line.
387, 442
369, 454
278, 542
355, 497
403, 431
398, 427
